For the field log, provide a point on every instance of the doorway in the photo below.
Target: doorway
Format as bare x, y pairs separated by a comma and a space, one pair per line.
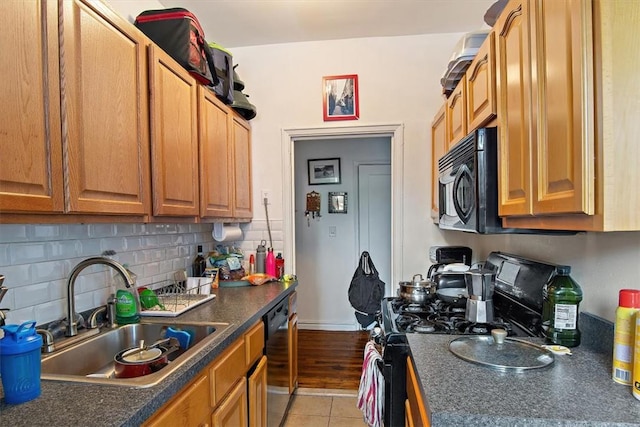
325, 296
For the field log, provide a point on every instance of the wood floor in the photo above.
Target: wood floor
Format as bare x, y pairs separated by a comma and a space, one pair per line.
330, 359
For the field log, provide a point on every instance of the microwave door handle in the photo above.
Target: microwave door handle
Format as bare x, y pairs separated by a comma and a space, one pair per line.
464, 216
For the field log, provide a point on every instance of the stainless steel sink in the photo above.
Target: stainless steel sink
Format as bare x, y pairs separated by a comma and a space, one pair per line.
92, 360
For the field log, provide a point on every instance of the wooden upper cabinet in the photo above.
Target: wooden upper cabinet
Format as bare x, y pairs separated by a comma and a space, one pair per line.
456, 117
481, 85
216, 156
585, 59
225, 160
105, 113
514, 109
174, 137
563, 132
242, 168
438, 149
30, 134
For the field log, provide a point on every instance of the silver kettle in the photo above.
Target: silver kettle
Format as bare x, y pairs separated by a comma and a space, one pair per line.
480, 284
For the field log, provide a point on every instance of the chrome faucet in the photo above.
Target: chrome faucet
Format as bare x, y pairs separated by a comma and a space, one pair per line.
3, 291
72, 327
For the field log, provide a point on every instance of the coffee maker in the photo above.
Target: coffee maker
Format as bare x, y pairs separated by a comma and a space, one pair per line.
480, 284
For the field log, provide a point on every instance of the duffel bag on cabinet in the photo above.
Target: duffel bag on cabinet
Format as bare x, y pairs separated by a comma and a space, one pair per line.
223, 61
178, 32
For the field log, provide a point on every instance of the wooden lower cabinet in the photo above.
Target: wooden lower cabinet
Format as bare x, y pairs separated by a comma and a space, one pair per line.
232, 412
221, 395
189, 408
293, 352
257, 389
415, 410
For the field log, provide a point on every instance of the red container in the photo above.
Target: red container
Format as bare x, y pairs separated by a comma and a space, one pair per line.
279, 266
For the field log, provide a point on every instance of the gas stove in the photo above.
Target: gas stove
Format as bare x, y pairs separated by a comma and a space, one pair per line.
437, 317
517, 304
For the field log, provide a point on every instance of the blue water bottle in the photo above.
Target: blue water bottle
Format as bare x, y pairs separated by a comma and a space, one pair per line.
20, 362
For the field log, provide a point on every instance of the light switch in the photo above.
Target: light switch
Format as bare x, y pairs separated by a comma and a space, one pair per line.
332, 231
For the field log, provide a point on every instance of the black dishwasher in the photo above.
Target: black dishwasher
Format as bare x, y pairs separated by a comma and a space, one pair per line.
277, 351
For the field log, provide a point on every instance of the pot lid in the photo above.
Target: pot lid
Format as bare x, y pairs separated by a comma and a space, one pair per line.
511, 355
136, 355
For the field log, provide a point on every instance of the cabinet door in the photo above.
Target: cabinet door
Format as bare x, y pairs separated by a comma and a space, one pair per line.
30, 135
190, 408
456, 120
254, 343
227, 370
514, 121
562, 60
481, 85
438, 149
216, 156
104, 108
174, 137
233, 411
417, 413
242, 168
293, 352
258, 395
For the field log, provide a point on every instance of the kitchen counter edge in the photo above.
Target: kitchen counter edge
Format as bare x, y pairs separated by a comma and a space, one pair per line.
577, 390
71, 403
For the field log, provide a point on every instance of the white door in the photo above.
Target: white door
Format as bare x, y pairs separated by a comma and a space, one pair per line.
374, 217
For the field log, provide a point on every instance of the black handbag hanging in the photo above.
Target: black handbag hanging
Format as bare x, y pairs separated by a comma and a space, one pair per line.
366, 289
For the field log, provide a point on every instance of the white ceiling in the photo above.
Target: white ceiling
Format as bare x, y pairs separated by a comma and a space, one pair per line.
237, 23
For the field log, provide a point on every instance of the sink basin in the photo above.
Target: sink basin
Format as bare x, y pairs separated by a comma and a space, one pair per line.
92, 360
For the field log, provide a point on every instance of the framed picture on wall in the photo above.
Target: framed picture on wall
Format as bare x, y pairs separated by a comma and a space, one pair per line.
340, 97
337, 202
323, 171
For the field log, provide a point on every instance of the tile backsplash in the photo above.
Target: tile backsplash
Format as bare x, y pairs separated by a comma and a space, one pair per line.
36, 260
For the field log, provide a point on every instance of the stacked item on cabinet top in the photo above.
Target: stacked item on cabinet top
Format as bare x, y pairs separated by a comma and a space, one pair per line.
463, 54
240, 100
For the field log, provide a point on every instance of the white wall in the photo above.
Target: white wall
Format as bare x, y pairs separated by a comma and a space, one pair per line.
398, 79
326, 264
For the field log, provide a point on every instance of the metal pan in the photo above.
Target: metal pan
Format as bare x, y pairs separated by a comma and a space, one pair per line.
455, 296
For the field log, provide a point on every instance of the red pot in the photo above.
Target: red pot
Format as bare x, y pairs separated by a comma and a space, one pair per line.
132, 362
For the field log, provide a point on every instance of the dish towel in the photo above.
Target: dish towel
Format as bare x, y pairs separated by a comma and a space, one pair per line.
371, 390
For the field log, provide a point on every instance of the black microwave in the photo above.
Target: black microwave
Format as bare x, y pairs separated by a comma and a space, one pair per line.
468, 185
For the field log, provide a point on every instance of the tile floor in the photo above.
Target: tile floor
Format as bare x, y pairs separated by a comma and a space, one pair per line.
324, 408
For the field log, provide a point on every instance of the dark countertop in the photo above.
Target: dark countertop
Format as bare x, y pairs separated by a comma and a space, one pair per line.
576, 390
67, 403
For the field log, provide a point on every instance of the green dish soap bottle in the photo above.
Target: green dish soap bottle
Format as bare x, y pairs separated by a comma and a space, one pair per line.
127, 301
560, 309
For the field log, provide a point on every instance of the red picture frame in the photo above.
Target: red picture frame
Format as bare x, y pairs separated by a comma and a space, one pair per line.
340, 97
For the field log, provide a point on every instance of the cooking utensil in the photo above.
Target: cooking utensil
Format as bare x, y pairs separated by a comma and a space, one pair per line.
139, 361
149, 299
448, 279
510, 355
418, 290
454, 296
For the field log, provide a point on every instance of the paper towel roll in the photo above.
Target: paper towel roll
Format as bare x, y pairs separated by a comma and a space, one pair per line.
226, 232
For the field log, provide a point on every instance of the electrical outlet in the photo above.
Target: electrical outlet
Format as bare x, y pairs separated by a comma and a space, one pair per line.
266, 195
